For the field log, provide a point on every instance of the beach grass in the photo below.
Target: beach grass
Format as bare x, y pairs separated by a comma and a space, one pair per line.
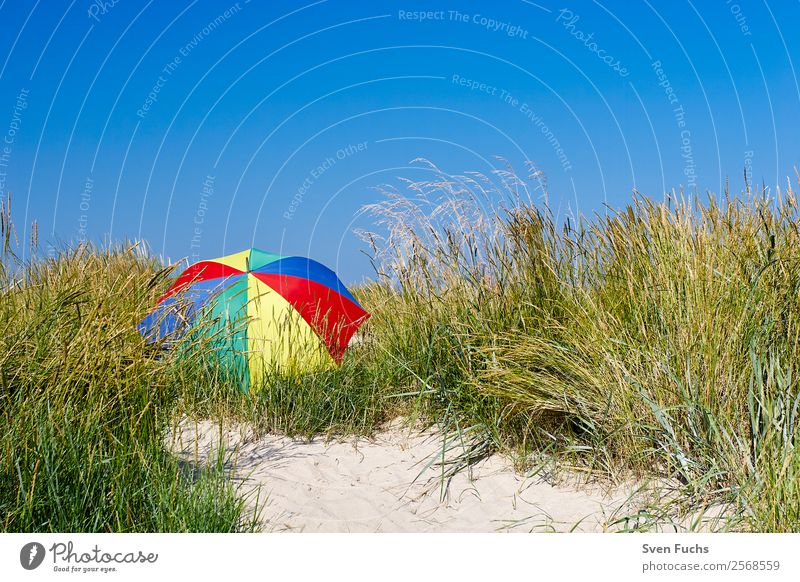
656, 341
85, 403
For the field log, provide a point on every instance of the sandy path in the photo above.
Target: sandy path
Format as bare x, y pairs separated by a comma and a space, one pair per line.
385, 484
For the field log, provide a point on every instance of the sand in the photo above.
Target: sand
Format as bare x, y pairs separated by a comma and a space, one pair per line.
393, 483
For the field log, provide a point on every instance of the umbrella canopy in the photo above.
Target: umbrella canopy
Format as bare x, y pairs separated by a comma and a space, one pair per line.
261, 311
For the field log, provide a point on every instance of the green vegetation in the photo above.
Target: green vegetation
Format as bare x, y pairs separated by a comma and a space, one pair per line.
84, 403
658, 340
655, 341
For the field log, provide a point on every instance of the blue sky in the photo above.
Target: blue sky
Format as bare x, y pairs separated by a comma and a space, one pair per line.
208, 127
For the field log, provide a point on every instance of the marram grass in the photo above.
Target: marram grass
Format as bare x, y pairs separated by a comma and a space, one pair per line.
84, 405
658, 341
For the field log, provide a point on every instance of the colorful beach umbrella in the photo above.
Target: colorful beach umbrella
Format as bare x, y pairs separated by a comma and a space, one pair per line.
260, 311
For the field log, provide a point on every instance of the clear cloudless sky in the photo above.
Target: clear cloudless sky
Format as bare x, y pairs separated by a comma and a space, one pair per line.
205, 127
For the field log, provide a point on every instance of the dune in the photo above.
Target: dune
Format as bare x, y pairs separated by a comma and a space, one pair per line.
394, 482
